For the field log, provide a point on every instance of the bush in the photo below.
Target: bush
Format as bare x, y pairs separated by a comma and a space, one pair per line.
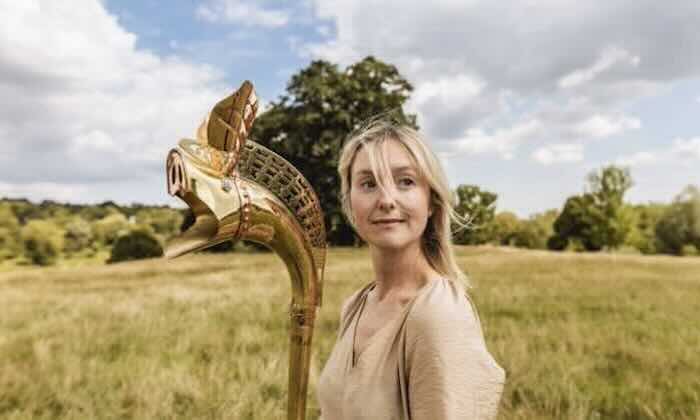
645, 217
10, 241
679, 225
557, 243
165, 222
505, 227
529, 236
43, 241
78, 235
135, 245
108, 229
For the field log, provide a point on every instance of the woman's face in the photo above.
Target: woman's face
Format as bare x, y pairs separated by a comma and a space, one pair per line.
394, 219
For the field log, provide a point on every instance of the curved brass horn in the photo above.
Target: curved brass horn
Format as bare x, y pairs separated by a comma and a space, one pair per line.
238, 189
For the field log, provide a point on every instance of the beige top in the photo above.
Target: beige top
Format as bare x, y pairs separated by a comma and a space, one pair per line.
429, 363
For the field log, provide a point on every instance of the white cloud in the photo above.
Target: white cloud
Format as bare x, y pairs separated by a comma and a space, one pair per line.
244, 13
639, 159
447, 92
502, 142
331, 50
608, 58
602, 126
558, 153
686, 148
682, 152
83, 107
94, 141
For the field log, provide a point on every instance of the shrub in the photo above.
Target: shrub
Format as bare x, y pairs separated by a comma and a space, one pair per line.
43, 241
78, 235
645, 218
505, 227
108, 229
10, 241
135, 245
680, 223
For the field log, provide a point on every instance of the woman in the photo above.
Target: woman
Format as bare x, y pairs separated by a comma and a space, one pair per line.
410, 344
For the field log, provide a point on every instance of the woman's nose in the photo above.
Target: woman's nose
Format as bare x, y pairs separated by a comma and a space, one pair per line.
386, 199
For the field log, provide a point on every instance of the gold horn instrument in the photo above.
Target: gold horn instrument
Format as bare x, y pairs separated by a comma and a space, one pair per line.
238, 189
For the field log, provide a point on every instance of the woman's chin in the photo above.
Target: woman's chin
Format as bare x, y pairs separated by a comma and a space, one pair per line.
390, 244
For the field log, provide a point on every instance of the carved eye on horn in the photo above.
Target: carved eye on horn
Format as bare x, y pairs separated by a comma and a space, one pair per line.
178, 184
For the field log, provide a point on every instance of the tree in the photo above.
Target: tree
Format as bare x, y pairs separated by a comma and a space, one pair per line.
578, 220
108, 229
642, 236
608, 187
165, 221
24, 210
322, 106
534, 232
10, 240
679, 226
596, 219
43, 241
78, 235
135, 245
505, 228
100, 211
478, 206
610, 184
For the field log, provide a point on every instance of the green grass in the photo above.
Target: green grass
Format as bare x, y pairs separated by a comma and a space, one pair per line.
581, 336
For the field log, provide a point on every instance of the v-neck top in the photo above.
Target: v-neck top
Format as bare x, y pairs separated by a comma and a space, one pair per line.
430, 362
357, 318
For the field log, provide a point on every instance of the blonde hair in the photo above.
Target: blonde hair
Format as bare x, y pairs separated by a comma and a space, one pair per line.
436, 243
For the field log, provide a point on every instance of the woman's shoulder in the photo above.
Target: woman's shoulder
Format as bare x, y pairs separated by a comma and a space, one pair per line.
444, 305
352, 301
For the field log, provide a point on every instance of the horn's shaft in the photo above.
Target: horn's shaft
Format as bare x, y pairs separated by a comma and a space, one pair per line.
270, 223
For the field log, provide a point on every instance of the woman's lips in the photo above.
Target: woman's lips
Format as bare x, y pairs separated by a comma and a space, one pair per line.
388, 223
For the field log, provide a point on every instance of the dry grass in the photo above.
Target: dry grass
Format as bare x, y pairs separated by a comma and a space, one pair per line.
205, 336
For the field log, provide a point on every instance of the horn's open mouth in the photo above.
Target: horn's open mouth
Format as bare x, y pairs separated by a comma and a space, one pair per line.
205, 225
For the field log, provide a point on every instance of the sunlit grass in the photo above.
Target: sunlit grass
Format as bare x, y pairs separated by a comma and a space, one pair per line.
581, 336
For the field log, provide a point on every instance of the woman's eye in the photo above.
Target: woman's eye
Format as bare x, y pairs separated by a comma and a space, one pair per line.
367, 184
406, 181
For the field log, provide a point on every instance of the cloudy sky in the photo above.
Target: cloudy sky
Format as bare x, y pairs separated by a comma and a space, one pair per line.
521, 98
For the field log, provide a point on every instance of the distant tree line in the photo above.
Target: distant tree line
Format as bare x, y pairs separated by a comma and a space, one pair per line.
43, 233
597, 220
307, 125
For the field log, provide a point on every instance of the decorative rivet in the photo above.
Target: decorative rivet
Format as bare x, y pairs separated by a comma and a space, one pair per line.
226, 184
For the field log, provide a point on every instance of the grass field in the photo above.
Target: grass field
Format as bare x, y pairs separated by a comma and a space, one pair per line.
581, 336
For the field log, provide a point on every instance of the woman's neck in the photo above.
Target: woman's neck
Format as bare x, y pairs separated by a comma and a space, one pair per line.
400, 273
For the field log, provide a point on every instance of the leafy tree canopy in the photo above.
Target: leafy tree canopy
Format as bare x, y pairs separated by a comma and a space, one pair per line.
478, 206
679, 227
598, 218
